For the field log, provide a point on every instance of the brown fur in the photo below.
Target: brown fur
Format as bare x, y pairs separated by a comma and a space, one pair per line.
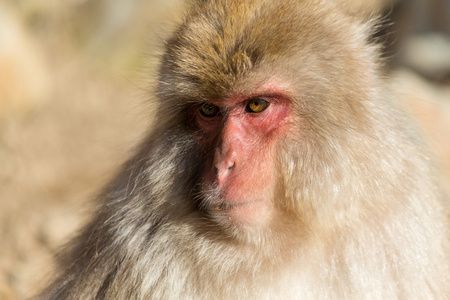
358, 213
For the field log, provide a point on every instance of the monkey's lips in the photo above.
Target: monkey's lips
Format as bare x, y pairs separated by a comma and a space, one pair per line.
230, 205
234, 201
239, 212
219, 198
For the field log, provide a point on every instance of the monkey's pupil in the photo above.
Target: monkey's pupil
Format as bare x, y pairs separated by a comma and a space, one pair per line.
257, 106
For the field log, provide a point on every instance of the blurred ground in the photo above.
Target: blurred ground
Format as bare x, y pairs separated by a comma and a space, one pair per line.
74, 100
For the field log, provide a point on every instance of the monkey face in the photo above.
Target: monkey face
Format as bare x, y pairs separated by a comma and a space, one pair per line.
239, 135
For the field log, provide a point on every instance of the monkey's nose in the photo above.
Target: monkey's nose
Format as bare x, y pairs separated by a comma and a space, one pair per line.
224, 165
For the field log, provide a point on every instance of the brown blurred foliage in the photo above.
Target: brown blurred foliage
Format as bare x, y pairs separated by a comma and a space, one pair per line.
75, 97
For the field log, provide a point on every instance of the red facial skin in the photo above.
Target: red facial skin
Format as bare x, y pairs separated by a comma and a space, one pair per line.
239, 179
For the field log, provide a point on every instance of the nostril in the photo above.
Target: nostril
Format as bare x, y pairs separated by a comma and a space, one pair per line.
223, 171
230, 166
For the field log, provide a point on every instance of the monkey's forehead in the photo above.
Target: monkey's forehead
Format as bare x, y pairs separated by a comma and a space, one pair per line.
225, 42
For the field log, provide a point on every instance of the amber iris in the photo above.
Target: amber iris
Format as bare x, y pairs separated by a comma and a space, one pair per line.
209, 110
256, 106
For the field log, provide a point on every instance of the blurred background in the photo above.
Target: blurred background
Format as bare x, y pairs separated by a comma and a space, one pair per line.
75, 84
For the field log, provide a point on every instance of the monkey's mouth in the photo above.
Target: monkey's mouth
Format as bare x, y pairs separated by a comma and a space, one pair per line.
214, 199
228, 206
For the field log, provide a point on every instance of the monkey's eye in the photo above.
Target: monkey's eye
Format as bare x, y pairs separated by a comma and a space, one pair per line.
209, 110
256, 106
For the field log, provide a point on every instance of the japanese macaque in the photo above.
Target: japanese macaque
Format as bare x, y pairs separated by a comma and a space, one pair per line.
277, 169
